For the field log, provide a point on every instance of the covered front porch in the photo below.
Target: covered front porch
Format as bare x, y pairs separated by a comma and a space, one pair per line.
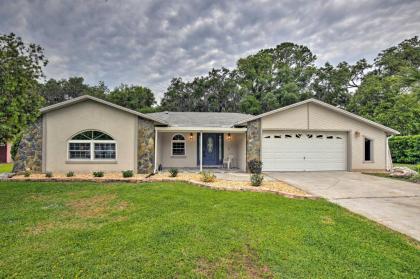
200, 148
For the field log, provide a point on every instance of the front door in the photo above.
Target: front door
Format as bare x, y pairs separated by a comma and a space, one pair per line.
212, 149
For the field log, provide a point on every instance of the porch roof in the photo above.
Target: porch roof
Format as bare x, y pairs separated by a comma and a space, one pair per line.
201, 129
200, 119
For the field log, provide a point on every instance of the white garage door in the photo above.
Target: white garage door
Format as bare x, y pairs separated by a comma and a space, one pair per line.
304, 151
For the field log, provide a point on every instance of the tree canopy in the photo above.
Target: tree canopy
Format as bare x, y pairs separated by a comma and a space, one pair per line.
133, 97
21, 66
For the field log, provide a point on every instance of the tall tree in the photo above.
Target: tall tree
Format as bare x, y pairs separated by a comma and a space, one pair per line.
216, 92
21, 66
134, 97
55, 91
390, 94
284, 72
334, 85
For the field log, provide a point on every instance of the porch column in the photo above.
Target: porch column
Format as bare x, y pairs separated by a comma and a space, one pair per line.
156, 145
201, 151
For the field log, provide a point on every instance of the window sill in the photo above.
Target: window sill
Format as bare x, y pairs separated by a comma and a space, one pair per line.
368, 162
179, 156
91, 162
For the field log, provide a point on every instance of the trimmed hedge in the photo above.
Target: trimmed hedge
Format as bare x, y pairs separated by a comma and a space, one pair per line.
405, 149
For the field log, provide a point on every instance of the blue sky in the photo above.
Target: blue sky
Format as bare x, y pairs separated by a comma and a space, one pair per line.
150, 42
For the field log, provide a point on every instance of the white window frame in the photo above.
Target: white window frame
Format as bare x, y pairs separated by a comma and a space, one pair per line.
178, 141
92, 149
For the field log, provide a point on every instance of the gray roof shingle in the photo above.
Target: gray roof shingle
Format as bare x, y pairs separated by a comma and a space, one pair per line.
200, 119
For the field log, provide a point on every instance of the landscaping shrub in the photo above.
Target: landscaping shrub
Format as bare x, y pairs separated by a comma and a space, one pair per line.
48, 174
207, 176
98, 174
173, 172
27, 173
127, 173
255, 166
405, 149
70, 174
15, 146
256, 179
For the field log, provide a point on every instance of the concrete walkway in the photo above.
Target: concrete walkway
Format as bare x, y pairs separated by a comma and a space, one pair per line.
393, 203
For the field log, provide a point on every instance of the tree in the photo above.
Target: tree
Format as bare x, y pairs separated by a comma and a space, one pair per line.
249, 104
390, 94
333, 85
284, 72
134, 97
20, 67
215, 92
55, 91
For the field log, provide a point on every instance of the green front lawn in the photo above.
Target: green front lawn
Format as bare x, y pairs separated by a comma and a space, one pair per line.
177, 230
6, 167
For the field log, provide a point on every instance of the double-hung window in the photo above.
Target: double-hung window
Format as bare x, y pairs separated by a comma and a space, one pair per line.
178, 145
92, 145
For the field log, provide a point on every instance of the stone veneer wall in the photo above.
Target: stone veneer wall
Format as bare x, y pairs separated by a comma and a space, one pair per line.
145, 146
253, 145
29, 154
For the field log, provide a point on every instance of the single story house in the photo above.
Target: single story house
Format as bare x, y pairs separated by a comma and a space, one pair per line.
5, 155
87, 134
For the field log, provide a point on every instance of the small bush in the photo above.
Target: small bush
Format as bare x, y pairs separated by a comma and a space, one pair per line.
256, 179
255, 166
27, 173
207, 176
98, 174
48, 174
70, 174
127, 173
173, 172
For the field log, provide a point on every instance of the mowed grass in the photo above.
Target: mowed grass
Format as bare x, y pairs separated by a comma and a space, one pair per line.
167, 230
6, 167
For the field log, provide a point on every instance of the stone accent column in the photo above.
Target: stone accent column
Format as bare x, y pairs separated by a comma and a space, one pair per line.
253, 145
145, 146
29, 154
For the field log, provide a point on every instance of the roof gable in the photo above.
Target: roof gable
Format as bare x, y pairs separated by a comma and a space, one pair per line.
327, 106
88, 97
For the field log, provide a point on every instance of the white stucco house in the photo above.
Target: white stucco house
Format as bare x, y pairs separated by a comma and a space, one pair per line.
87, 134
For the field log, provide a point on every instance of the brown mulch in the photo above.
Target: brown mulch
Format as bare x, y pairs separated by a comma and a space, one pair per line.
276, 187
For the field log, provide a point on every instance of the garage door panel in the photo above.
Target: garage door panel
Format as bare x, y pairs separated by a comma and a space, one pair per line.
304, 151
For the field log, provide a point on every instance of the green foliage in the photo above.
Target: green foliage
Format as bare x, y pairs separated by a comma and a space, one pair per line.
133, 97
255, 166
20, 66
250, 104
405, 149
216, 92
27, 173
48, 174
208, 176
173, 172
256, 179
98, 174
127, 173
55, 91
15, 146
70, 174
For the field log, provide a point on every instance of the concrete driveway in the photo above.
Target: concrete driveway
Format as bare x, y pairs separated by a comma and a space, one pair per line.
393, 203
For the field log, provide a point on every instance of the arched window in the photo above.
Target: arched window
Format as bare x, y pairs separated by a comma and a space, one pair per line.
178, 145
92, 145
